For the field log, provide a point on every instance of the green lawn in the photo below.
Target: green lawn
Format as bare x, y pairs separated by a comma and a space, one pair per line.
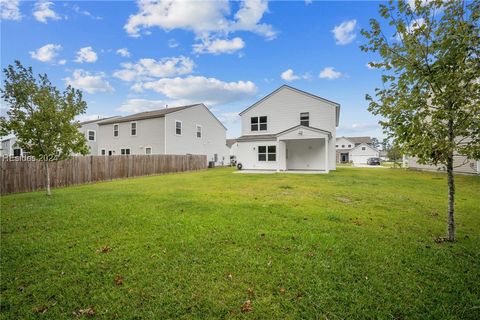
356, 243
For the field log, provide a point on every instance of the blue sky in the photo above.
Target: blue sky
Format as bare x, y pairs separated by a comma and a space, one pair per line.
130, 56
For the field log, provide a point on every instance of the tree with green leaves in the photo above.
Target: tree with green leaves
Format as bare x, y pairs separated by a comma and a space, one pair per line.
41, 117
430, 99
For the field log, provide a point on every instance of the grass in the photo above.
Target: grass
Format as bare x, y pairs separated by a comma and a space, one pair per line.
356, 243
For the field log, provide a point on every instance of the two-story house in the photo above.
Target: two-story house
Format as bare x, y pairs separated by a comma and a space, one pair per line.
90, 129
191, 129
289, 129
355, 149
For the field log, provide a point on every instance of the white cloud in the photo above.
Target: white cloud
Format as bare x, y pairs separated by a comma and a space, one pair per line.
62, 62
329, 73
248, 18
9, 10
88, 82
123, 52
344, 33
194, 89
86, 54
42, 12
140, 105
289, 75
229, 118
172, 43
307, 2
46, 53
146, 69
85, 13
201, 17
218, 46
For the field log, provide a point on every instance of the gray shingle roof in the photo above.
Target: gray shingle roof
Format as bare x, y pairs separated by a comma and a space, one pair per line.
147, 114
366, 140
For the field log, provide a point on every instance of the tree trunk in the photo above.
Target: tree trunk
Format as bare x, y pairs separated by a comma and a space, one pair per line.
451, 199
47, 179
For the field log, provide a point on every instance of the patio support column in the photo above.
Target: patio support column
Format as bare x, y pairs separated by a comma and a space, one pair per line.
326, 155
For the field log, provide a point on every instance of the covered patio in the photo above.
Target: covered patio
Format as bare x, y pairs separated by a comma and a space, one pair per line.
303, 149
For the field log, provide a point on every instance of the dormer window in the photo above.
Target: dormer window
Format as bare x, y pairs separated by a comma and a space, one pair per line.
305, 119
258, 123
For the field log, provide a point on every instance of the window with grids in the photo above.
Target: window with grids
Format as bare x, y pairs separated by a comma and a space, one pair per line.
267, 153
258, 123
133, 128
178, 128
305, 119
115, 130
125, 151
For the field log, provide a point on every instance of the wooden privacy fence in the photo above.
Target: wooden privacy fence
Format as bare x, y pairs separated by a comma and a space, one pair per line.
25, 176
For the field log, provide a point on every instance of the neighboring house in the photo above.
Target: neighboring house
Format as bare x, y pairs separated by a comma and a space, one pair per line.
361, 153
289, 129
345, 145
191, 129
461, 164
90, 130
9, 148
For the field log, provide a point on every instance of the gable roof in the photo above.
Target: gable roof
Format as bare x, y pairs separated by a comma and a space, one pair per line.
356, 140
335, 104
147, 114
367, 140
363, 144
254, 137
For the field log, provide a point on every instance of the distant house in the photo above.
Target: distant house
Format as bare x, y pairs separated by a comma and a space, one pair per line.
461, 164
355, 149
289, 129
191, 129
10, 148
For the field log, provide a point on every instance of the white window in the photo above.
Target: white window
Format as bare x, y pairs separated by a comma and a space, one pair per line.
178, 127
199, 131
305, 119
363, 148
349, 145
91, 135
258, 123
133, 128
343, 146
125, 151
336, 146
103, 152
115, 130
148, 150
17, 152
267, 153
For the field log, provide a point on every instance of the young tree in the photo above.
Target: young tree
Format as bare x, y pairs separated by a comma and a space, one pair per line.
430, 98
375, 143
41, 117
